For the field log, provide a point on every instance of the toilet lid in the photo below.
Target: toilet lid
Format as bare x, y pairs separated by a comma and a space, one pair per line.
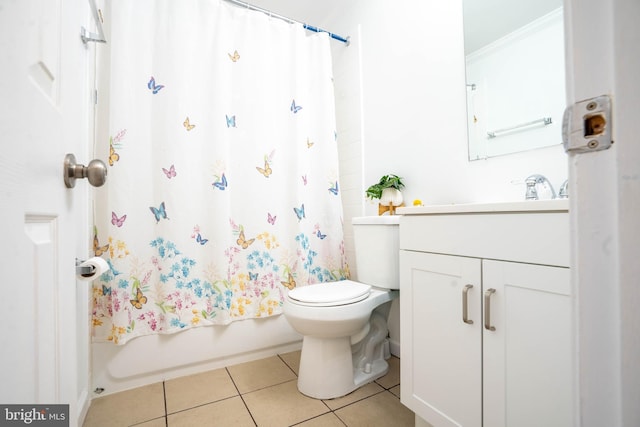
332, 293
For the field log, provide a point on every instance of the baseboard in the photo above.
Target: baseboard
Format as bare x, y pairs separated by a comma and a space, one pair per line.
83, 404
394, 348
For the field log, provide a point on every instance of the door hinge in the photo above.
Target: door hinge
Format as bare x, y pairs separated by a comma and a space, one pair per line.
586, 125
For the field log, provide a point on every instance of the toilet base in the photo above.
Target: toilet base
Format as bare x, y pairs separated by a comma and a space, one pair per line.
326, 368
379, 368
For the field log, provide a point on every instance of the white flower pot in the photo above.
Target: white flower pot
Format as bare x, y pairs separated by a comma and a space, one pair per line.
391, 197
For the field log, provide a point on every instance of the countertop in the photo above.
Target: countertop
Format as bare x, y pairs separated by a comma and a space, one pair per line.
555, 205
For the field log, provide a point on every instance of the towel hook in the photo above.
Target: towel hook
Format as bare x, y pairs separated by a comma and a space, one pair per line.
87, 36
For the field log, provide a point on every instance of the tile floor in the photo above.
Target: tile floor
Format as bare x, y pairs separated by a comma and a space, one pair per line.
261, 393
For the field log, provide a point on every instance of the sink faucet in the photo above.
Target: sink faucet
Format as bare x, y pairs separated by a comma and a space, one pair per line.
536, 182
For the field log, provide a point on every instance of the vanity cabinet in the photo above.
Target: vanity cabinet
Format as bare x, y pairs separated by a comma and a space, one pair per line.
485, 317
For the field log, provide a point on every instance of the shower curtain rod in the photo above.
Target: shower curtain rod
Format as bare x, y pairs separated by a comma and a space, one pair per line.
344, 40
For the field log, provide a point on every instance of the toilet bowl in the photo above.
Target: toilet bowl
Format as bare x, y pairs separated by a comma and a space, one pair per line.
344, 324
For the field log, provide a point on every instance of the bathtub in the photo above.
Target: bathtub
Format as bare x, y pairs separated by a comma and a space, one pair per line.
154, 358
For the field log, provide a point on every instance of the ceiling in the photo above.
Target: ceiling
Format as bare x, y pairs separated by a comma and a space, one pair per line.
308, 11
488, 20
484, 20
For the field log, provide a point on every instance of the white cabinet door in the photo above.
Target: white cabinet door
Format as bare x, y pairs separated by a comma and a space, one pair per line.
527, 368
441, 354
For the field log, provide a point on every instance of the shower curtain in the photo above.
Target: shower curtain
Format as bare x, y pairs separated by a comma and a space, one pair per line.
223, 188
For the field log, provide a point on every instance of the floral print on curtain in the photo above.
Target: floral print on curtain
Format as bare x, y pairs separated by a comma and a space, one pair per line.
223, 188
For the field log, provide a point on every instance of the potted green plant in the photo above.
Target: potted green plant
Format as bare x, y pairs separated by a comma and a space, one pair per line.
388, 190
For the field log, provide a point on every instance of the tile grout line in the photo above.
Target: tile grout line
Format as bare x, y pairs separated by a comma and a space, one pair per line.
333, 411
213, 402
241, 397
287, 365
338, 417
389, 385
296, 374
318, 416
164, 395
356, 401
265, 387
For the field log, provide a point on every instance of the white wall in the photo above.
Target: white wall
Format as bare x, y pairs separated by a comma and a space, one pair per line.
401, 100
401, 106
411, 80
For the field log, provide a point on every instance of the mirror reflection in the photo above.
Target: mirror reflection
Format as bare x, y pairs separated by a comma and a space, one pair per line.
515, 75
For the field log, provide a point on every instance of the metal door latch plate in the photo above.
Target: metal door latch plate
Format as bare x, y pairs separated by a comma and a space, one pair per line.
586, 125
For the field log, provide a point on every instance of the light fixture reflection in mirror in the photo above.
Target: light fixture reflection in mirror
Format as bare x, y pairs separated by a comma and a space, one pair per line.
515, 75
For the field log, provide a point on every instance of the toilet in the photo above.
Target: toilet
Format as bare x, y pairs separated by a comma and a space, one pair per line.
344, 324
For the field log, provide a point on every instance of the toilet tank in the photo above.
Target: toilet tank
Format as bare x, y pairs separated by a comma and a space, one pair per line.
377, 245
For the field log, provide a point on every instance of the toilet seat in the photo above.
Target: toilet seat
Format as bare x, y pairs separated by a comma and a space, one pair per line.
330, 294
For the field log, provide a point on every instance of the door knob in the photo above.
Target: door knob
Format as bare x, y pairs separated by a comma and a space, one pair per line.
96, 171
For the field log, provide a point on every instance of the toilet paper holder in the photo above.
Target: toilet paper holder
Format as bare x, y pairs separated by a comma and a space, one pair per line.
84, 270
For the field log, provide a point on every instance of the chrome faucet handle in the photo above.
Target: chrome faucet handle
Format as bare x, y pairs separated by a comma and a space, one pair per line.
564, 190
531, 192
533, 182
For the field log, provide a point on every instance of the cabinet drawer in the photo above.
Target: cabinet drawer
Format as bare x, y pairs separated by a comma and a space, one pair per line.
531, 237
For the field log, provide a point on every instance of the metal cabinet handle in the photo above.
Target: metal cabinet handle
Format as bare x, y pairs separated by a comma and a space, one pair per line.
465, 317
487, 309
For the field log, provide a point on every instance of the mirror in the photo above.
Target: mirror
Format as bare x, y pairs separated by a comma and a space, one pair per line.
514, 54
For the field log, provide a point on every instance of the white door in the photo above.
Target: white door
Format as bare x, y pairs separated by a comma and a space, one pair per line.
603, 58
44, 114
